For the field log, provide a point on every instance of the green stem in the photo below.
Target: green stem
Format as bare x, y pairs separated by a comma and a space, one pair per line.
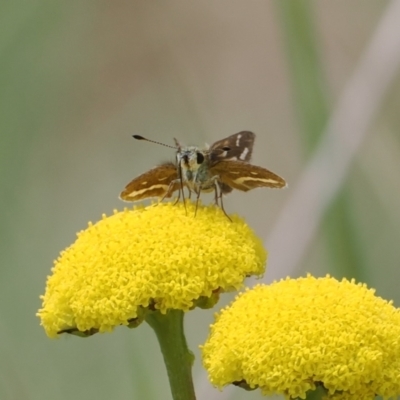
177, 357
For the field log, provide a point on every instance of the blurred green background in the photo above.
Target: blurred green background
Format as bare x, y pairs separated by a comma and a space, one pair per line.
78, 78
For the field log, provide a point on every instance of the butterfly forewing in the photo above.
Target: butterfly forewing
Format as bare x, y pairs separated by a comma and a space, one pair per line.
243, 176
235, 147
161, 181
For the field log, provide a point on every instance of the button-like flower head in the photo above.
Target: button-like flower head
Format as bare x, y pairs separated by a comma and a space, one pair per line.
159, 257
296, 334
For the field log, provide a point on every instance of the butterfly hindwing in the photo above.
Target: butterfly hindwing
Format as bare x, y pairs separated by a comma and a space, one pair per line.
243, 176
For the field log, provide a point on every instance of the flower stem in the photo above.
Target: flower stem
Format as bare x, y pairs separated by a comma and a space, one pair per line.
177, 357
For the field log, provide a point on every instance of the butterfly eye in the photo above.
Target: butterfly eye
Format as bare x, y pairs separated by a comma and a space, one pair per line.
200, 158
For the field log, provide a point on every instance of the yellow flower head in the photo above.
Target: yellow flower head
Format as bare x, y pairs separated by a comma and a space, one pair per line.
159, 257
295, 334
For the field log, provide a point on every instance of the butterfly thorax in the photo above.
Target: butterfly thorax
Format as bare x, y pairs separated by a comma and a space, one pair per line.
195, 166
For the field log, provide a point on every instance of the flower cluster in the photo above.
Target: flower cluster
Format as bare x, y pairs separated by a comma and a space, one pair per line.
295, 334
160, 257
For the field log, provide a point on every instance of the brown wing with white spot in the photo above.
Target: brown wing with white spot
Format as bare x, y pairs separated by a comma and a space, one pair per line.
235, 147
158, 182
243, 176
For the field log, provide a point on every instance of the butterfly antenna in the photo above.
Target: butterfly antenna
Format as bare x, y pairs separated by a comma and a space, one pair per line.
138, 137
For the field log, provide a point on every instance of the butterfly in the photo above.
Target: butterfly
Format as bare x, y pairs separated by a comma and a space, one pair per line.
222, 167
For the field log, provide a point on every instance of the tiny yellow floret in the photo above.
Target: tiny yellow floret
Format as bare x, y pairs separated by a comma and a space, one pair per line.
158, 257
296, 334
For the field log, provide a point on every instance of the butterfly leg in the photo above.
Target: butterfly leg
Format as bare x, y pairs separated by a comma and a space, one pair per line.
216, 194
170, 190
179, 196
219, 196
181, 183
181, 190
197, 201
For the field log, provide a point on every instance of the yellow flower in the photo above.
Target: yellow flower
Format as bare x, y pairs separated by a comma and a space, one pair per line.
296, 334
159, 257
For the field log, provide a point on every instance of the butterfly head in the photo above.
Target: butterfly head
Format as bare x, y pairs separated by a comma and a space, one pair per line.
190, 158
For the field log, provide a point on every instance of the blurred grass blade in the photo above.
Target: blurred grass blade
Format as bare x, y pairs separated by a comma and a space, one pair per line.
323, 177
307, 73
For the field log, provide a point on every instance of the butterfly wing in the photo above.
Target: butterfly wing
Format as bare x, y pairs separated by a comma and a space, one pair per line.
161, 181
235, 147
243, 176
